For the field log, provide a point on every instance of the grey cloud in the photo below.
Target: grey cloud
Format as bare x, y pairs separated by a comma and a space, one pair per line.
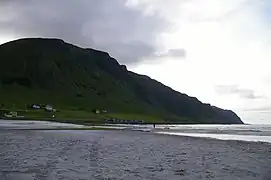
236, 90
264, 109
127, 33
173, 53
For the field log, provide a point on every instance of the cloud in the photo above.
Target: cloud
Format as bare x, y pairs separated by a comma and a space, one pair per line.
264, 109
126, 31
173, 53
236, 90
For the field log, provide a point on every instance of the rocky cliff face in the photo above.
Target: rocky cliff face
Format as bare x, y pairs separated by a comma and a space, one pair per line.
50, 70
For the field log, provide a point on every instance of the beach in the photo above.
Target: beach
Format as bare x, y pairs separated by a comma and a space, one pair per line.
124, 154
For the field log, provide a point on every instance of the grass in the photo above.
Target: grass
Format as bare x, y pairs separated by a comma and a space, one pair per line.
69, 128
72, 109
79, 110
79, 116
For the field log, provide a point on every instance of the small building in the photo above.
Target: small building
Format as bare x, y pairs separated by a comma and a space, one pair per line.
11, 114
99, 111
34, 106
49, 108
104, 111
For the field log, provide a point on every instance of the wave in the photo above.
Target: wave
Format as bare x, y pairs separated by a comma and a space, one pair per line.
253, 138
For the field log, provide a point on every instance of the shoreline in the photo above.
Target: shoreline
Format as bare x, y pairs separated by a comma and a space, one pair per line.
213, 138
182, 130
89, 122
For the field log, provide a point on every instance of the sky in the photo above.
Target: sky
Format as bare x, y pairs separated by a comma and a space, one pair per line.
216, 50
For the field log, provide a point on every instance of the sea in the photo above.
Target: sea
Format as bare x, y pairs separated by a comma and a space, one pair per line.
244, 132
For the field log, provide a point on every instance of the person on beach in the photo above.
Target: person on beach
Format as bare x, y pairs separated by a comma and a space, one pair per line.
153, 125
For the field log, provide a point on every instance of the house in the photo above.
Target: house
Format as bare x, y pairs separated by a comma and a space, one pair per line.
34, 106
96, 111
99, 111
49, 108
12, 114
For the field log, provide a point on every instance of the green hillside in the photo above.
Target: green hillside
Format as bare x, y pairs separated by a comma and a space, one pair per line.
76, 81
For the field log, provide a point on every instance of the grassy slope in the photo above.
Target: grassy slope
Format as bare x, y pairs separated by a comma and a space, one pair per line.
76, 80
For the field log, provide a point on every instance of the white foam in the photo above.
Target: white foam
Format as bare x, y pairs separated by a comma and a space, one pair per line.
223, 136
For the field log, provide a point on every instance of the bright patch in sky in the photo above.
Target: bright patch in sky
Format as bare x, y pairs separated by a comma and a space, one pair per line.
228, 46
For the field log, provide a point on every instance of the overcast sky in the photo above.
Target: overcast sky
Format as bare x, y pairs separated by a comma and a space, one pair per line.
216, 50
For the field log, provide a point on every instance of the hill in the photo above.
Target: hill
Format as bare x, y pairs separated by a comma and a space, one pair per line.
51, 71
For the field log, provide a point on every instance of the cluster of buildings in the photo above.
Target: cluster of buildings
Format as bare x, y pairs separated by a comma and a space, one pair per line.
99, 111
46, 107
122, 121
116, 120
12, 114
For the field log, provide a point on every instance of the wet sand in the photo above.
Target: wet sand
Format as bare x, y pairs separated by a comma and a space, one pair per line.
72, 155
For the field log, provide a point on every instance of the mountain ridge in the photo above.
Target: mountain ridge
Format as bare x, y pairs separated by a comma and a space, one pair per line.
74, 77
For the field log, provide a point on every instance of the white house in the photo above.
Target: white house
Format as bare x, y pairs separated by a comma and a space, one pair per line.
34, 106
49, 108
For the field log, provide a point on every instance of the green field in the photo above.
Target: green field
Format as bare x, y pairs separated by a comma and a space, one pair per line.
77, 117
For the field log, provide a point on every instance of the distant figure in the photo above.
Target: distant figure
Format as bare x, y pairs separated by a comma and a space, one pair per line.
153, 125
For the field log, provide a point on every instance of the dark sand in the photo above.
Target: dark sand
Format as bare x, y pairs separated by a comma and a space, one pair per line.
72, 155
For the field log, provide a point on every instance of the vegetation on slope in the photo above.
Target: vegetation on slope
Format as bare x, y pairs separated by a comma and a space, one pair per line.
77, 80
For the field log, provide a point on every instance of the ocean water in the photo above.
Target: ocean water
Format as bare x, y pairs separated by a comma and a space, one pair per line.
260, 133
256, 133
